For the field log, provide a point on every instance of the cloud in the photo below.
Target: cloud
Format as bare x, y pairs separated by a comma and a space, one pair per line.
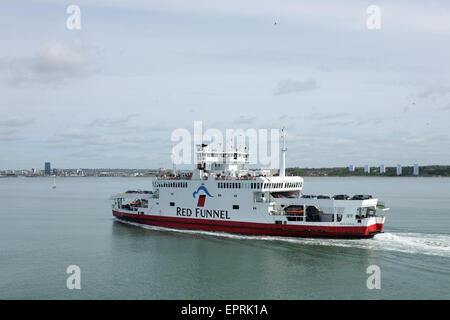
341, 123
438, 95
295, 86
77, 138
415, 140
406, 109
101, 122
54, 62
244, 120
6, 125
83, 154
328, 116
295, 138
133, 142
160, 126
9, 135
343, 142
434, 92
16, 121
81, 138
77, 134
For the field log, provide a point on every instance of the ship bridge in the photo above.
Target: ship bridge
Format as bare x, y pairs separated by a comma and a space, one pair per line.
231, 163
235, 157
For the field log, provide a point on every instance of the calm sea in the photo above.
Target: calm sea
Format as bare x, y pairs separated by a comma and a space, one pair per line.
43, 231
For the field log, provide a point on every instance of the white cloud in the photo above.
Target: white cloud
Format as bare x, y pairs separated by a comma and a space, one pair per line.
16, 121
54, 62
434, 92
244, 120
77, 134
9, 135
295, 86
121, 121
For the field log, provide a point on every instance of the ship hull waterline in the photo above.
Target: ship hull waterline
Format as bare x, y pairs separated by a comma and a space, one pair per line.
254, 229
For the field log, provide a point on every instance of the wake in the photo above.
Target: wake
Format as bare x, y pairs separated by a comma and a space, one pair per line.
414, 243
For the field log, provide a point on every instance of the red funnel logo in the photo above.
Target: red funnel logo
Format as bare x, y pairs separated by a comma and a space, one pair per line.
201, 197
201, 200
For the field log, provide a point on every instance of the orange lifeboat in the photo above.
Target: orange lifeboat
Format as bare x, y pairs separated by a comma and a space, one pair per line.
295, 211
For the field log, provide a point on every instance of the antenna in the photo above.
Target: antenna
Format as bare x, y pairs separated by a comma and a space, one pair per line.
283, 153
283, 136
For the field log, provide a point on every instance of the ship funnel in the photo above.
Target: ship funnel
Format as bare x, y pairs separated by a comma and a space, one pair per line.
283, 153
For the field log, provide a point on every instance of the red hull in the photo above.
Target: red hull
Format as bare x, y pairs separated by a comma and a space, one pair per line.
249, 228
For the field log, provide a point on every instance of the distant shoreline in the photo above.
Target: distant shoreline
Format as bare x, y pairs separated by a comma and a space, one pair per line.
420, 176
341, 172
154, 177
406, 171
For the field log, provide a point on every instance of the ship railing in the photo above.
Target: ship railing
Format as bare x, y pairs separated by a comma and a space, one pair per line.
175, 178
235, 178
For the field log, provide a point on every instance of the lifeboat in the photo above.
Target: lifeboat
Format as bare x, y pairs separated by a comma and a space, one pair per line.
295, 211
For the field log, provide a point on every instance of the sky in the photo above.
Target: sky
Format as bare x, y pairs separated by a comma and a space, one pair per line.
110, 94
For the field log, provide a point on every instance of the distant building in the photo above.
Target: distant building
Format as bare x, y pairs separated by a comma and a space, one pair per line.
366, 169
399, 169
47, 169
382, 168
351, 168
416, 169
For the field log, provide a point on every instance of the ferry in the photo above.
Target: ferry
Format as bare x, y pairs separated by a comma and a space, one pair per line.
220, 194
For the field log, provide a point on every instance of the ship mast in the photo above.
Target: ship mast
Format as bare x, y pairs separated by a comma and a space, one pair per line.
283, 153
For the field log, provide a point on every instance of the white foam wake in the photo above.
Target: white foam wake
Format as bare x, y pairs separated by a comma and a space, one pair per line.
415, 243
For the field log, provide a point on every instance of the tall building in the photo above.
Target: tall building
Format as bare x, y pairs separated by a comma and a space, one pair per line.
382, 168
366, 169
351, 168
48, 169
399, 169
416, 169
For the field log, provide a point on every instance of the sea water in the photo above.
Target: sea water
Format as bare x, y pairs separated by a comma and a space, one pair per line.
43, 231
